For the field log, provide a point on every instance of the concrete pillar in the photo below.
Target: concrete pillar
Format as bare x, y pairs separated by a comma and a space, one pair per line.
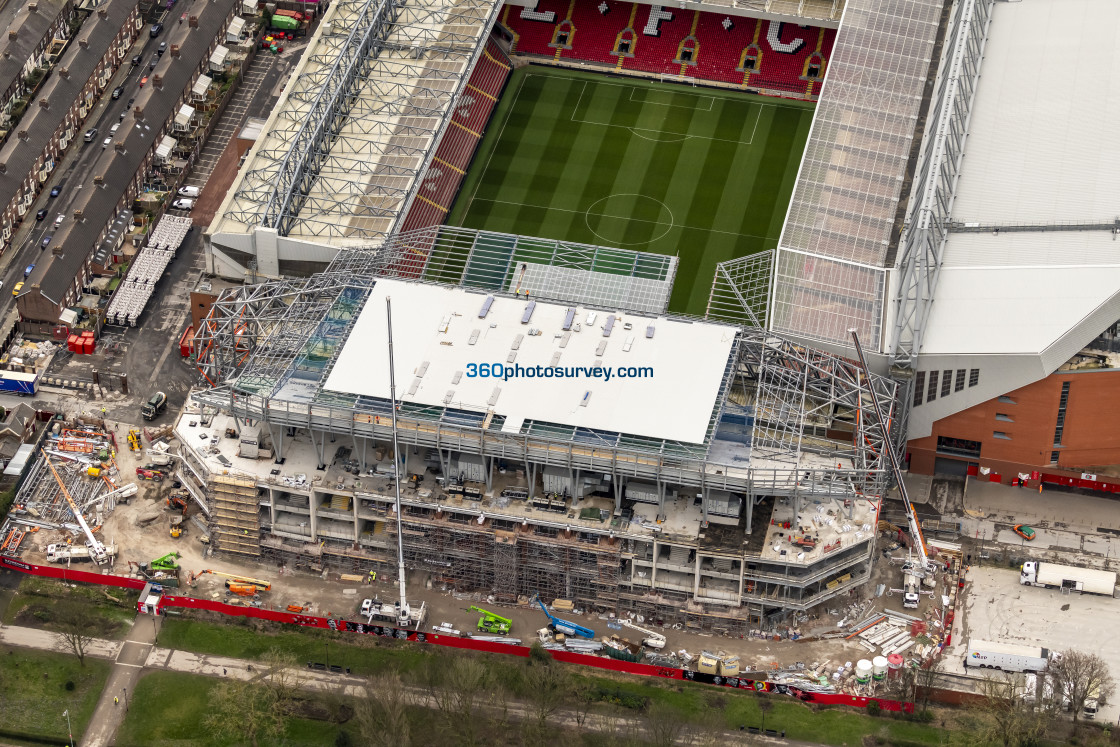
320, 445
313, 503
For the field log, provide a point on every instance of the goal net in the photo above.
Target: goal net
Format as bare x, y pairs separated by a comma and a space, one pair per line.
682, 79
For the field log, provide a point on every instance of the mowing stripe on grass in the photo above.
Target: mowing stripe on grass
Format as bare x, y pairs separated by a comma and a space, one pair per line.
705, 175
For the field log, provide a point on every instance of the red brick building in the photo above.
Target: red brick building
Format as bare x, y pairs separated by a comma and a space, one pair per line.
1065, 424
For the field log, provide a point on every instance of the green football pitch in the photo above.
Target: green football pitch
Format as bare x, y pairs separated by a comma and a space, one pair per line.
654, 167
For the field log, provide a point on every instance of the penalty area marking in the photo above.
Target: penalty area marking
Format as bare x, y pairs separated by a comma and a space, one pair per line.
680, 135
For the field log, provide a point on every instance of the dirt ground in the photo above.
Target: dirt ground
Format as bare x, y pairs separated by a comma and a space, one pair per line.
141, 532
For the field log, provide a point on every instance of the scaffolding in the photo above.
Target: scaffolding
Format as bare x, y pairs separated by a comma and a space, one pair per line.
235, 524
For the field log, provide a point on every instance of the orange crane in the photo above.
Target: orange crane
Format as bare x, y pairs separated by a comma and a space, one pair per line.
96, 549
241, 582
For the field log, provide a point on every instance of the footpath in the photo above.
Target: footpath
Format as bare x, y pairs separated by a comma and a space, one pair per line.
139, 652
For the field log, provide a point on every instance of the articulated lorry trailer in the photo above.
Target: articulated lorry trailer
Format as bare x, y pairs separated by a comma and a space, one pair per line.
1008, 657
1068, 578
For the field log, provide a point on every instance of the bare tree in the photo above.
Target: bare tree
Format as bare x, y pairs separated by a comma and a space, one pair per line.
73, 628
765, 705
925, 677
546, 685
1079, 676
457, 686
382, 715
1006, 713
664, 725
244, 710
281, 675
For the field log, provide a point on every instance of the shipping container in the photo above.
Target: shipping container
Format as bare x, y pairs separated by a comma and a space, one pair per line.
186, 342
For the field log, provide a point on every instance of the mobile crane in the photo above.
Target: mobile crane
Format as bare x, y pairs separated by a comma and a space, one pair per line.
556, 625
96, 549
652, 640
491, 623
240, 585
923, 565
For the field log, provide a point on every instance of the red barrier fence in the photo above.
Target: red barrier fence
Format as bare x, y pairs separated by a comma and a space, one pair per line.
451, 641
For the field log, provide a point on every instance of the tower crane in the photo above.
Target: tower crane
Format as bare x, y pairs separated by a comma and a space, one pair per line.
96, 549
918, 540
653, 639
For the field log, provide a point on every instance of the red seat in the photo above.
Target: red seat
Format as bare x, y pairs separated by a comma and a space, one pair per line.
783, 53
457, 147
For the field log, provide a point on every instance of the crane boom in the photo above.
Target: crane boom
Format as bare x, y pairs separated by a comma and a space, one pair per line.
96, 549
653, 639
919, 541
265, 585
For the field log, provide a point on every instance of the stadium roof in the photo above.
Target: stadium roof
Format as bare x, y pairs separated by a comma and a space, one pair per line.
1039, 161
1031, 269
439, 335
843, 222
341, 152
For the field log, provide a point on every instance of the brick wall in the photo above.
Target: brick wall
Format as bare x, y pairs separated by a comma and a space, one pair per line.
1090, 435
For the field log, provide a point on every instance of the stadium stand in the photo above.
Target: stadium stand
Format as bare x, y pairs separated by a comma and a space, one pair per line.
457, 147
760, 55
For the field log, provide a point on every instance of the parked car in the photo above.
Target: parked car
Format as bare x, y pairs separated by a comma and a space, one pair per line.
136, 60
1023, 531
28, 270
183, 204
117, 92
106, 141
55, 192
162, 48
58, 219
114, 128
156, 29
45, 242
91, 133
17, 288
189, 191
143, 81
41, 214
153, 62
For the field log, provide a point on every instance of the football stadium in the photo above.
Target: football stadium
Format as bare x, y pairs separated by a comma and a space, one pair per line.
719, 193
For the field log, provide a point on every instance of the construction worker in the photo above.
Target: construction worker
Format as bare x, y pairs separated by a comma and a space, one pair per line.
116, 701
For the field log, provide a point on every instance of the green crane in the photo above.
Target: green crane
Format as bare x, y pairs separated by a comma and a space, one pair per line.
491, 623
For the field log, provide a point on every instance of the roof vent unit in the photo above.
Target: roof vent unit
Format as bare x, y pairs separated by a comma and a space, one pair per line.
564, 340
494, 397
485, 307
457, 377
591, 317
555, 360
443, 324
649, 331
423, 369
517, 342
529, 308
601, 349
415, 385
474, 337
569, 317
586, 398
449, 396
608, 326
628, 344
